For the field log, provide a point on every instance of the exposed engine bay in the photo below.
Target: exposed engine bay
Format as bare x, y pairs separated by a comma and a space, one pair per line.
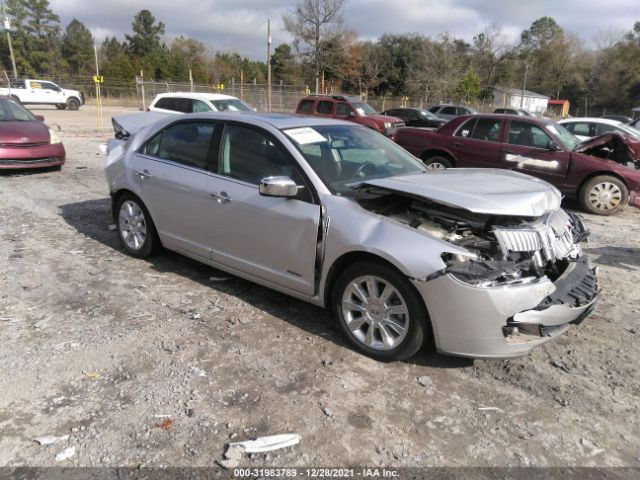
613, 146
504, 250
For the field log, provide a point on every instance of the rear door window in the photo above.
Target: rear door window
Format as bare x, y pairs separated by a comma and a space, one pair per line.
487, 129
324, 107
186, 143
466, 129
449, 111
305, 106
199, 106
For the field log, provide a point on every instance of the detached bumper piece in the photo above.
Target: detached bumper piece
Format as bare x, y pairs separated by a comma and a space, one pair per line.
574, 298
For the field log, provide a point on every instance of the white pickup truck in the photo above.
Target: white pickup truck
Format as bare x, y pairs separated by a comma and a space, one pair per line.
42, 92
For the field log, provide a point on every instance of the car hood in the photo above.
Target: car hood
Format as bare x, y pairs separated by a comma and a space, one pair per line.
611, 140
18, 133
481, 190
385, 118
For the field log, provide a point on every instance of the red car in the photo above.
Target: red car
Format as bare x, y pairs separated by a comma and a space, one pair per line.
349, 108
25, 140
601, 173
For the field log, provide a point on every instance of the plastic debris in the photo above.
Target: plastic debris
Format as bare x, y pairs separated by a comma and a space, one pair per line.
425, 380
66, 454
51, 439
231, 457
268, 444
111, 227
490, 409
94, 375
167, 424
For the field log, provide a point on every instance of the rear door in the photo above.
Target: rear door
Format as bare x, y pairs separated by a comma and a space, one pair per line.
527, 150
476, 143
173, 170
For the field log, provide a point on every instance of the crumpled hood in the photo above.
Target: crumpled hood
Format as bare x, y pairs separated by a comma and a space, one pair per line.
613, 140
478, 190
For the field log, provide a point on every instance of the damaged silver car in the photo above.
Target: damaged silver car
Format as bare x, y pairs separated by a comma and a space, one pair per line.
482, 262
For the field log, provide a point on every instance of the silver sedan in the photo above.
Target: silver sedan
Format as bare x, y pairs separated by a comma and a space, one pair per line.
483, 262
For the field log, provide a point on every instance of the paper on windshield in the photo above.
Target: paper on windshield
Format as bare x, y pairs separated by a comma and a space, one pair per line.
305, 135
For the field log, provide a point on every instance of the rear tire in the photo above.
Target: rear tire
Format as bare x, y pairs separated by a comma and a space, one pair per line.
604, 195
437, 162
137, 233
73, 104
379, 311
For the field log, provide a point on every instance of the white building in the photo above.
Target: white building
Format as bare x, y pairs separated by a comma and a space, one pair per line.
518, 98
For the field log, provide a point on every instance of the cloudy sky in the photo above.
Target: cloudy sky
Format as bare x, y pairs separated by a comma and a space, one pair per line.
240, 25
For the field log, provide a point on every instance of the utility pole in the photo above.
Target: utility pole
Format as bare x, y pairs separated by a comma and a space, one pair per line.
269, 65
7, 29
98, 82
524, 84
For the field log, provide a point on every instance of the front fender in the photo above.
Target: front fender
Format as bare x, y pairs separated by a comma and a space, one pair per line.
354, 229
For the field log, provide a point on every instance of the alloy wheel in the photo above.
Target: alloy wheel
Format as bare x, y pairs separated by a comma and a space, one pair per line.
375, 312
133, 225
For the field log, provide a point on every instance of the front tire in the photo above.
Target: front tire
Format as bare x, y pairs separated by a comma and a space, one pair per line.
604, 195
437, 162
135, 227
73, 104
379, 311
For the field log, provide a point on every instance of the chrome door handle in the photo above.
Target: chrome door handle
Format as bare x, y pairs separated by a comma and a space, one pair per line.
143, 173
221, 197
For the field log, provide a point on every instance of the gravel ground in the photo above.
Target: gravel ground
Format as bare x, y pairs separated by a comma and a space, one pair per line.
164, 362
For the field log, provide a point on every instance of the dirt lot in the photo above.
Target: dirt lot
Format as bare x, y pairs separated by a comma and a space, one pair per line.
106, 348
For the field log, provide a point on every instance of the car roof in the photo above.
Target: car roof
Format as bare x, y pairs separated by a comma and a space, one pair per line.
277, 120
607, 121
196, 95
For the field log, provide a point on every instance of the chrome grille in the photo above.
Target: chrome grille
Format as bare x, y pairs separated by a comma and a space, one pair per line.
552, 237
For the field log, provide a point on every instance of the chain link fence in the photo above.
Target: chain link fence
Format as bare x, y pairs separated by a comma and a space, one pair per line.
284, 98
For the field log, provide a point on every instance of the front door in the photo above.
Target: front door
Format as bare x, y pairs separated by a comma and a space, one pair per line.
271, 238
527, 149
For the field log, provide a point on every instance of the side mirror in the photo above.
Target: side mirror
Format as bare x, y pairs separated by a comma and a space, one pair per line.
282, 187
40, 118
553, 146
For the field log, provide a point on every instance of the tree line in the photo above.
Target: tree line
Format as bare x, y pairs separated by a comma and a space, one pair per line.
555, 62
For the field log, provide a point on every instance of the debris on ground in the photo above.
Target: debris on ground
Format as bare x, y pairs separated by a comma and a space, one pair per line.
66, 454
269, 443
425, 380
167, 424
51, 439
232, 457
490, 409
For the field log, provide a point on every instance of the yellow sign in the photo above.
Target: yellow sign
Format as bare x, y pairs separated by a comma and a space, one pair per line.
98, 79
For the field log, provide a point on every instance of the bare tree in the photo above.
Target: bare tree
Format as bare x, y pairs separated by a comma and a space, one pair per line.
310, 22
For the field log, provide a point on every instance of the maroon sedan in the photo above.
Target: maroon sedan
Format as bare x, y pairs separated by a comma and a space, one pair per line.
601, 173
25, 140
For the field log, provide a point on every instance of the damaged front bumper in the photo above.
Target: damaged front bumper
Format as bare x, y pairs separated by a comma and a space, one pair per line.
508, 320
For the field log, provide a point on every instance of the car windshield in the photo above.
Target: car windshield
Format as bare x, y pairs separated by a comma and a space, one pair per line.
345, 156
12, 112
363, 108
428, 115
629, 130
231, 105
568, 139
